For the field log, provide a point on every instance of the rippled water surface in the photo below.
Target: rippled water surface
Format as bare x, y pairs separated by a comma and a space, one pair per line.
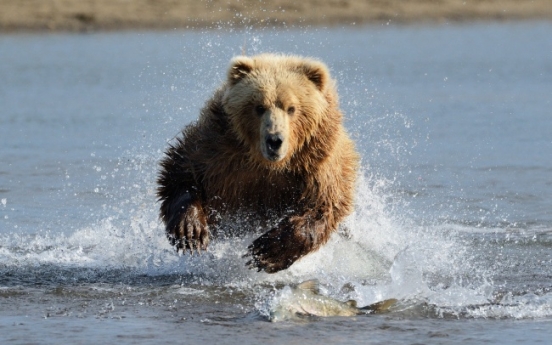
453, 213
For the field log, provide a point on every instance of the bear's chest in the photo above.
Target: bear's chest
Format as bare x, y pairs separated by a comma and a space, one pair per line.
253, 191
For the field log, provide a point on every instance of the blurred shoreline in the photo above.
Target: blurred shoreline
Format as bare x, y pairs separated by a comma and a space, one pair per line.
109, 15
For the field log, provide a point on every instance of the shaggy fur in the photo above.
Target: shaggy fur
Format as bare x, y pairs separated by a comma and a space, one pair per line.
219, 164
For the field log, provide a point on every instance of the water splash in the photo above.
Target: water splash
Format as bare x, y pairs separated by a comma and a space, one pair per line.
377, 254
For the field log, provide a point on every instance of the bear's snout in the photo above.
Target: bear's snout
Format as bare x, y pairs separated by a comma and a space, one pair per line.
273, 147
274, 142
274, 135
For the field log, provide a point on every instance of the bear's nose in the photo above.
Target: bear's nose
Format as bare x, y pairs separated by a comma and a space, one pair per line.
274, 142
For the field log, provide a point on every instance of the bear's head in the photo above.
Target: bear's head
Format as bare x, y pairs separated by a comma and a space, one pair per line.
276, 104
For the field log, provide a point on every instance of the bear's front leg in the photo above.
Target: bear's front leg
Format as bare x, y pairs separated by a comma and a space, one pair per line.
187, 227
292, 239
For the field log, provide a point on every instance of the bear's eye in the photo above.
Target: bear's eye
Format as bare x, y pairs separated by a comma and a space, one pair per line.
291, 110
260, 109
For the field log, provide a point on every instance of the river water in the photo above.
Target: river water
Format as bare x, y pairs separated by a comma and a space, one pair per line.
453, 213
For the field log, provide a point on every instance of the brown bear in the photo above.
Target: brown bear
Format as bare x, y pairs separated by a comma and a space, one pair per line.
269, 142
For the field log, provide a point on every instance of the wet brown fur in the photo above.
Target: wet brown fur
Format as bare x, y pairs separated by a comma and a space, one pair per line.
215, 167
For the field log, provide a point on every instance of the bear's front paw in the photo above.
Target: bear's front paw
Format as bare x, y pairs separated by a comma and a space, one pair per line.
276, 250
191, 231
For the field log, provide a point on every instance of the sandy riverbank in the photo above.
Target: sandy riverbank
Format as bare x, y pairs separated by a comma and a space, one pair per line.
84, 15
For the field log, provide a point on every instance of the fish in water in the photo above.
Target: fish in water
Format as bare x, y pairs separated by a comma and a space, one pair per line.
305, 300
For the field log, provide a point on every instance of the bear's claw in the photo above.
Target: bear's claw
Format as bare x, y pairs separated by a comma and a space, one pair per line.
191, 233
275, 250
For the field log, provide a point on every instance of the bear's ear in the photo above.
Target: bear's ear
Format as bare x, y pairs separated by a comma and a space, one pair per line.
316, 72
240, 66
